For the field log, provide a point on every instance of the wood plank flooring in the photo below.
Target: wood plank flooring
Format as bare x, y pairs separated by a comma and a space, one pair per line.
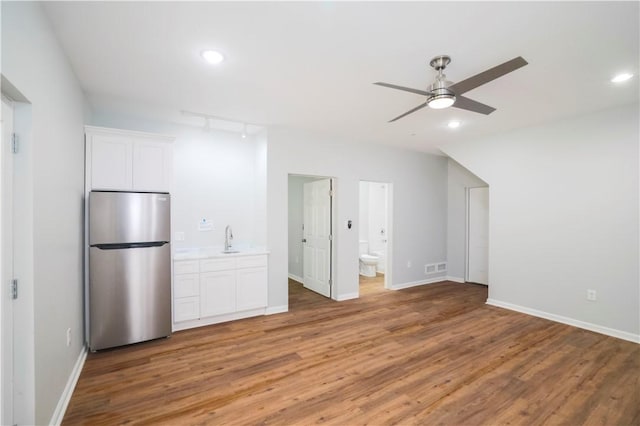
433, 354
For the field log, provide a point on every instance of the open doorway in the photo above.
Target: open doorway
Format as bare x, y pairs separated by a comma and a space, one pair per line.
477, 268
310, 242
374, 246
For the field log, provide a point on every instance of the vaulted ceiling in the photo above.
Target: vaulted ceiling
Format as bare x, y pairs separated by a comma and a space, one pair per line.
311, 65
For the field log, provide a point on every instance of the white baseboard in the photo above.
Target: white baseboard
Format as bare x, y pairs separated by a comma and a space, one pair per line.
348, 296
271, 310
635, 338
184, 325
63, 402
417, 283
295, 278
455, 279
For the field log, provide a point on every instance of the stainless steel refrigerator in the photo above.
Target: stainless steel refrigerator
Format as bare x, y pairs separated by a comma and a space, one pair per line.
129, 268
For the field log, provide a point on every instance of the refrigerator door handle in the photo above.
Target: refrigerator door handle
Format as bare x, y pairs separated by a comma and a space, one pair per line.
120, 246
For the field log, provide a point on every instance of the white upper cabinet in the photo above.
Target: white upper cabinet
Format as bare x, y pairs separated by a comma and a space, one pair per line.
111, 162
151, 165
123, 160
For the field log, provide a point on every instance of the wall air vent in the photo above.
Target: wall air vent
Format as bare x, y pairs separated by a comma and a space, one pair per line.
435, 268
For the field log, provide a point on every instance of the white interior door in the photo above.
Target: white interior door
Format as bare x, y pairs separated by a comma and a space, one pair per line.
317, 236
6, 267
478, 236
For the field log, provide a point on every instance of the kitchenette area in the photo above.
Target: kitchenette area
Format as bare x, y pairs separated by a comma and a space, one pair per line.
209, 261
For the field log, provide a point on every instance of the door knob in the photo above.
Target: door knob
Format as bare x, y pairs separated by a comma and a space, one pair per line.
304, 240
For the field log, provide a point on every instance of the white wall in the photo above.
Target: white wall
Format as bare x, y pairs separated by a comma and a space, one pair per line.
296, 219
564, 216
260, 196
458, 180
52, 199
217, 175
419, 210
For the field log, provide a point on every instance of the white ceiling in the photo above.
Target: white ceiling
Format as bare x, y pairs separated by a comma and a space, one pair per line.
311, 65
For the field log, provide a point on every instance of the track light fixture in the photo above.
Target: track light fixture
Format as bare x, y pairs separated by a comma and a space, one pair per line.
209, 118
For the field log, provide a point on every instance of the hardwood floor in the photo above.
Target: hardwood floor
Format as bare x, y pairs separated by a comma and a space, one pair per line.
433, 354
372, 285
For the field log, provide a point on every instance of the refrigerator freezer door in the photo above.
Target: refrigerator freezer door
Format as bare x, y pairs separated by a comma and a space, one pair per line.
128, 217
129, 295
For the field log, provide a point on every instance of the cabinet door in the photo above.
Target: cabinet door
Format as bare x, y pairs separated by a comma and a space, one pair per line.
152, 162
251, 288
111, 162
217, 293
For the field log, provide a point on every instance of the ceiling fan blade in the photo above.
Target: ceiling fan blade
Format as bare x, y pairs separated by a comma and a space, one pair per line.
486, 76
471, 105
406, 89
409, 112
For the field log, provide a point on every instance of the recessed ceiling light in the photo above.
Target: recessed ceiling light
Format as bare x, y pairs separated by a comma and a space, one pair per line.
453, 124
621, 77
212, 56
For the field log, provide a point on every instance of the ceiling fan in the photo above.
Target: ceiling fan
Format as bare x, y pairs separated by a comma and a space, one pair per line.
443, 93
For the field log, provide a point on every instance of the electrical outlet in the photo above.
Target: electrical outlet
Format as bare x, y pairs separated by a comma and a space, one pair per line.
297, 259
68, 337
179, 236
592, 295
408, 264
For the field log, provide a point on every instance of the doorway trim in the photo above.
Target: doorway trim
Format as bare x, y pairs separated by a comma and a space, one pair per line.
23, 308
6, 265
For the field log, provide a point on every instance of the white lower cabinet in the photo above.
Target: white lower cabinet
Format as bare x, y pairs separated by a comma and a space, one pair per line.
250, 293
186, 308
209, 290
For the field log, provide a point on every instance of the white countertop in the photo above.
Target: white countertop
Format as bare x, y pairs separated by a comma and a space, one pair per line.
212, 252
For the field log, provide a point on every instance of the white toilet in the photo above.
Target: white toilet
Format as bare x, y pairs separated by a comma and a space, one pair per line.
368, 262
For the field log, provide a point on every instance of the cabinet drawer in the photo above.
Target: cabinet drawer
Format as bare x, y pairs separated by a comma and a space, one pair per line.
186, 308
186, 267
252, 261
186, 285
212, 265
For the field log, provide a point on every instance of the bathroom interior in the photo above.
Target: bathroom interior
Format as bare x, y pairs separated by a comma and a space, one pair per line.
374, 234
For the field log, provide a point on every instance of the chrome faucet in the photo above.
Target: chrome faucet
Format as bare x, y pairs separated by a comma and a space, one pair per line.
228, 238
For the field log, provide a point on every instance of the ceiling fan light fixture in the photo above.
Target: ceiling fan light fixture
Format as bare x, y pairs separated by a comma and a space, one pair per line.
441, 101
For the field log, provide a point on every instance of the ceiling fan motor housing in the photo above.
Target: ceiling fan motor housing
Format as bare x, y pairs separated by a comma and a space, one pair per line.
441, 96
